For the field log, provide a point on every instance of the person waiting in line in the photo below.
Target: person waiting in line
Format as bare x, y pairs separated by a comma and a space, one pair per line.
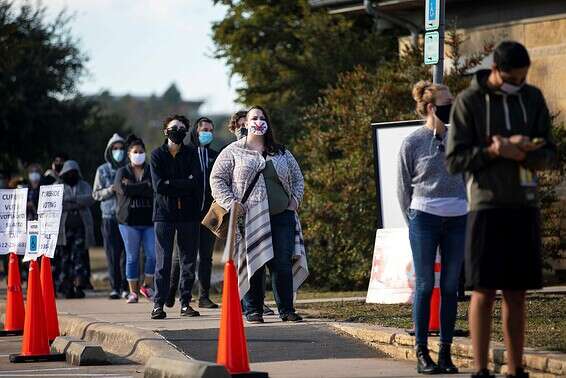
175, 173
201, 135
134, 208
34, 180
104, 191
237, 126
271, 233
434, 204
76, 231
51, 176
500, 137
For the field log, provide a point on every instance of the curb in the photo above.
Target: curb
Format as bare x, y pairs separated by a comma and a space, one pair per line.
79, 352
122, 341
398, 344
158, 367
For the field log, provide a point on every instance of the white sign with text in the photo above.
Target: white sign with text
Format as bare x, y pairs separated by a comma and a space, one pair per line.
13, 203
32, 246
49, 212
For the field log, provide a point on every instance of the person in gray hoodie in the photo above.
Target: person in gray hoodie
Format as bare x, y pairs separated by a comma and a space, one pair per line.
104, 191
76, 230
500, 135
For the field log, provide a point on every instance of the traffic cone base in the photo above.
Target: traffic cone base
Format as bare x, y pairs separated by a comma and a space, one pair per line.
15, 313
35, 345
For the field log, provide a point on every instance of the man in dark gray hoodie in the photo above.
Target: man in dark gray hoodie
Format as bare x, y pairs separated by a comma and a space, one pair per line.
500, 135
105, 192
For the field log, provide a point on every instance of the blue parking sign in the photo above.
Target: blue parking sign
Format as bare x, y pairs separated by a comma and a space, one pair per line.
432, 15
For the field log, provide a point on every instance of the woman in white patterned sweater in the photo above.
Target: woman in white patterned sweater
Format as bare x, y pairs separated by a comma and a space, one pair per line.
271, 233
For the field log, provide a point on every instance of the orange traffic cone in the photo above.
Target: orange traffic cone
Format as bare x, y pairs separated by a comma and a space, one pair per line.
35, 346
48, 294
15, 315
232, 347
434, 321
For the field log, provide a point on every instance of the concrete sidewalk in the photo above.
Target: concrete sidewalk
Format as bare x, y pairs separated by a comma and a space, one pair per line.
309, 349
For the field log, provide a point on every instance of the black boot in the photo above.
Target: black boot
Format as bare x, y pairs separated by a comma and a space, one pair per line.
425, 364
445, 360
484, 373
520, 373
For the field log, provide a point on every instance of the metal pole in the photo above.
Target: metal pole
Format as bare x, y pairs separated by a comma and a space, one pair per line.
438, 71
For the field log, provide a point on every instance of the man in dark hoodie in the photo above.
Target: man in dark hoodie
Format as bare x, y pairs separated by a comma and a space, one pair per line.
500, 135
104, 191
177, 185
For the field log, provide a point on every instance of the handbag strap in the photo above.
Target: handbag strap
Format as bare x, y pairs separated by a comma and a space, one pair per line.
250, 187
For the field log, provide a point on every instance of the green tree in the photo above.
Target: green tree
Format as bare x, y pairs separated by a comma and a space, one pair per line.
287, 53
42, 111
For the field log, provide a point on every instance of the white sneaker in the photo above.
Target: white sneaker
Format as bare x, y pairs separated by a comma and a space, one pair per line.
132, 298
125, 294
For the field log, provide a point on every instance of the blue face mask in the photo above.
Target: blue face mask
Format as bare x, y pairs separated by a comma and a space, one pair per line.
118, 155
205, 137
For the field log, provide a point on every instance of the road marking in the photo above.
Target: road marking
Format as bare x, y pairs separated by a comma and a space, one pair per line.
68, 375
34, 370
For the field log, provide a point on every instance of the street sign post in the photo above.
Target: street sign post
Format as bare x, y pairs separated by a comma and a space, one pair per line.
434, 38
431, 48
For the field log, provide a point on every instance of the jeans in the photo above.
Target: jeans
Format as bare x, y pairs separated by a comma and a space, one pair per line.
427, 234
187, 242
206, 246
134, 237
115, 255
280, 268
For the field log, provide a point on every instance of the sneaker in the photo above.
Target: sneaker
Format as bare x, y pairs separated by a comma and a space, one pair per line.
187, 310
147, 292
114, 295
158, 313
292, 317
125, 294
79, 293
132, 298
205, 302
254, 318
267, 311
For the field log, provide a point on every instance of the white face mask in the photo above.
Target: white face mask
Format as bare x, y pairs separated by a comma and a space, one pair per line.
258, 127
137, 159
510, 88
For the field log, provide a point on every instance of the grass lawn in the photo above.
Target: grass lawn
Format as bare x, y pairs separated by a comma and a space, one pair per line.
546, 318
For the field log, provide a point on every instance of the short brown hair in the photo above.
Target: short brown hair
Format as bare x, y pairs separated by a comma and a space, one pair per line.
424, 93
233, 122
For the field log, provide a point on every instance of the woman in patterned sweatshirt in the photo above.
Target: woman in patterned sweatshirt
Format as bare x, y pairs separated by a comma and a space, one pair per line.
271, 233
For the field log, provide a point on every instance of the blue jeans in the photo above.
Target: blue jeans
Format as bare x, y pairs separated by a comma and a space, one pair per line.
115, 256
134, 237
280, 268
427, 234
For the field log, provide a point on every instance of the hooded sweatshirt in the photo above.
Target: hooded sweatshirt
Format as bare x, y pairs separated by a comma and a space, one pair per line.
78, 197
104, 179
207, 157
480, 112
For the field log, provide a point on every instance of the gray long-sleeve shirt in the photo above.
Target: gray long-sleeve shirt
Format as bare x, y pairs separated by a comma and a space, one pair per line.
422, 175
